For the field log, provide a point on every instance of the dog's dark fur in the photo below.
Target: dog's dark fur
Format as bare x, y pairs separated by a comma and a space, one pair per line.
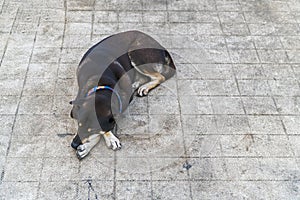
119, 61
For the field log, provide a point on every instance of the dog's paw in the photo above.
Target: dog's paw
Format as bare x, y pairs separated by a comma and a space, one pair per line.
114, 144
82, 151
143, 90
135, 85
112, 141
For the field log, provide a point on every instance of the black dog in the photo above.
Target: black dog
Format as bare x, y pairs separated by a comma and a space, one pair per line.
108, 75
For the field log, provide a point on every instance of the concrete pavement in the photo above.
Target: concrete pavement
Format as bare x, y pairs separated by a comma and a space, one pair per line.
226, 127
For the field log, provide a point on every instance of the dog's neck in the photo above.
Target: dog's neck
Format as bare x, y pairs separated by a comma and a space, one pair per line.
101, 87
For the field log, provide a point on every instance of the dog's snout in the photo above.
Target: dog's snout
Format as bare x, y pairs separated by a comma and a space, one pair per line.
76, 142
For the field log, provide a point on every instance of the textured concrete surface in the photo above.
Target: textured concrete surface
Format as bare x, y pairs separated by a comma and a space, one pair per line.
226, 127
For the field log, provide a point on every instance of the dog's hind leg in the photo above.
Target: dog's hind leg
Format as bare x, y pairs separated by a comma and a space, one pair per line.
153, 64
140, 79
155, 79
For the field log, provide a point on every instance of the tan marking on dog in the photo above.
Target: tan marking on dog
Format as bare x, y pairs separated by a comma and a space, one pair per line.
85, 140
156, 79
107, 134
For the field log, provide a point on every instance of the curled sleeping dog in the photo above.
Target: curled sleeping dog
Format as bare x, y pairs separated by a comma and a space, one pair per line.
108, 75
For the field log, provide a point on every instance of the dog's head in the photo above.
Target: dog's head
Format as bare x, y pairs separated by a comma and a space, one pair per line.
94, 115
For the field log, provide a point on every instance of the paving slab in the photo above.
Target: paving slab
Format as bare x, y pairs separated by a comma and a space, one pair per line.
226, 126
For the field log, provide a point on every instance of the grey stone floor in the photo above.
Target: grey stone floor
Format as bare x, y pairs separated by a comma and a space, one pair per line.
226, 127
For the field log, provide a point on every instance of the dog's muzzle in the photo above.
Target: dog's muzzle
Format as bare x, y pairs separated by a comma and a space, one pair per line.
76, 142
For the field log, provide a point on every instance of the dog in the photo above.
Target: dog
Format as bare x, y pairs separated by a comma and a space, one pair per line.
108, 76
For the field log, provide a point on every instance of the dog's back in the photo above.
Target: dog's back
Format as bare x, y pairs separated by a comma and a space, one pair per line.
142, 48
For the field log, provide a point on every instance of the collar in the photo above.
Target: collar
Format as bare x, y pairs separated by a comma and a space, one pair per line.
96, 88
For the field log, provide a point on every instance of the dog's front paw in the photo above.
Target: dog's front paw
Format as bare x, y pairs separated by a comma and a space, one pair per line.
143, 90
82, 151
112, 141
